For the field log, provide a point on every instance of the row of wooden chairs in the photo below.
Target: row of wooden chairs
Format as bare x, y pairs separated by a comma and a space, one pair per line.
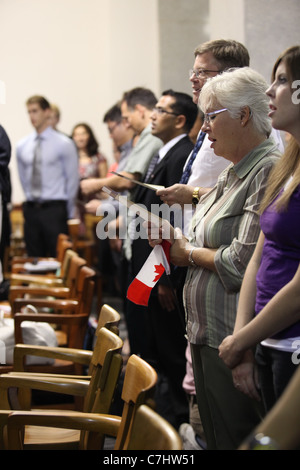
139, 427
64, 300
23, 427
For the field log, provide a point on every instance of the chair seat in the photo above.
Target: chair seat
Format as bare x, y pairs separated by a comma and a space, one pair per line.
67, 439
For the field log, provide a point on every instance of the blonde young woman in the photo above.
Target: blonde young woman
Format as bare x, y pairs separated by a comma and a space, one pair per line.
269, 305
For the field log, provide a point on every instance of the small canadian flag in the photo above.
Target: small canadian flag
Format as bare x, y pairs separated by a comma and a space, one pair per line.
156, 264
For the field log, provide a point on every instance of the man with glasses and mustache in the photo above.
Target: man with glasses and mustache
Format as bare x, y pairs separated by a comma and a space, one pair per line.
203, 166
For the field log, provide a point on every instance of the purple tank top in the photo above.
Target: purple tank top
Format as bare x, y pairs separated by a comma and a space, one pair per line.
281, 255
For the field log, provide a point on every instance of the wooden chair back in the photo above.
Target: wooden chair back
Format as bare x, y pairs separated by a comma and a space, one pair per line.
105, 369
71, 323
152, 432
138, 388
70, 281
63, 243
65, 263
74, 226
59, 278
107, 364
84, 294
76, 263
108, 317
85, 247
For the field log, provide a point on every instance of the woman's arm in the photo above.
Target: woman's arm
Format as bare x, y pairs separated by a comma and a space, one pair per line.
231, 350
246, 305
102, 168
184, 254
280, 312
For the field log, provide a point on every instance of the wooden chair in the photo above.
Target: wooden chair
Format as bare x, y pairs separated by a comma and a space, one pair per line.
109, 318
98, 393
70, 316
63, 243
64, 278
87, 248
41, 286
138, 388
16, 276
17, 244
77, 300
84, 246
60, 279
152, 432
64, 356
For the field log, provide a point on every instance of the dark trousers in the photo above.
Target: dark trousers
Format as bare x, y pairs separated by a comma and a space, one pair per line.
136, 321
228, 416
43, 222
167, 345
275, 368
158, 336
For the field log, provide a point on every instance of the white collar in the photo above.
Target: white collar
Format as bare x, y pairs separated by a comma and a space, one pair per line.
164, 150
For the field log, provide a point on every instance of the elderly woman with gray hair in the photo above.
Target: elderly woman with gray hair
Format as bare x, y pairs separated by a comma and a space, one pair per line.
223, 235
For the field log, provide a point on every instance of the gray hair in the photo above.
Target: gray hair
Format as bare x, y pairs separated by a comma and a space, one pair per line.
235, 89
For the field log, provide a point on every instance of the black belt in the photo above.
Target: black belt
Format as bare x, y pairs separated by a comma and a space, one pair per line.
43, 204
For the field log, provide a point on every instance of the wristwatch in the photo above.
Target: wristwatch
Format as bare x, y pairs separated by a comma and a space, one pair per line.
195, 196
262, 442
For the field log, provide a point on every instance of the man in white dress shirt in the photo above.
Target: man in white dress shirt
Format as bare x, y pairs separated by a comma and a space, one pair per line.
51, 185
211, 58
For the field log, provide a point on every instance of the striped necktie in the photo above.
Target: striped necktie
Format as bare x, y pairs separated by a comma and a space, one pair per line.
36, 179
151, 167
187, 171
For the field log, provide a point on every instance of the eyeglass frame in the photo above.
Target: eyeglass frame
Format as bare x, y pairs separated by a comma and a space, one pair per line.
207, 116
111, 129
160, 110
201, 73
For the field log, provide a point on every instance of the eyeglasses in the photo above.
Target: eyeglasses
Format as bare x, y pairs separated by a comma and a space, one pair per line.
112, 128
209, 117
201, 73
161, 111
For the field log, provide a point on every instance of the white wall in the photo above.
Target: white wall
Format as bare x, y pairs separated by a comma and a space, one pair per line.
227, 19
83, 54
80, 54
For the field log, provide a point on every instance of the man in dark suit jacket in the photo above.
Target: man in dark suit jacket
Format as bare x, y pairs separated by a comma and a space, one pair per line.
5, 190
159, 329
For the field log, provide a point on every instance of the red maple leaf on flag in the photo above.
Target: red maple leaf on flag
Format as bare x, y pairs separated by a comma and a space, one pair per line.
159, 269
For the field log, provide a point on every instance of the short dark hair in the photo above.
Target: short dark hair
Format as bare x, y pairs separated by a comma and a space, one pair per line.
40, 100
140, 95
183, 105
227, 52
113, 114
